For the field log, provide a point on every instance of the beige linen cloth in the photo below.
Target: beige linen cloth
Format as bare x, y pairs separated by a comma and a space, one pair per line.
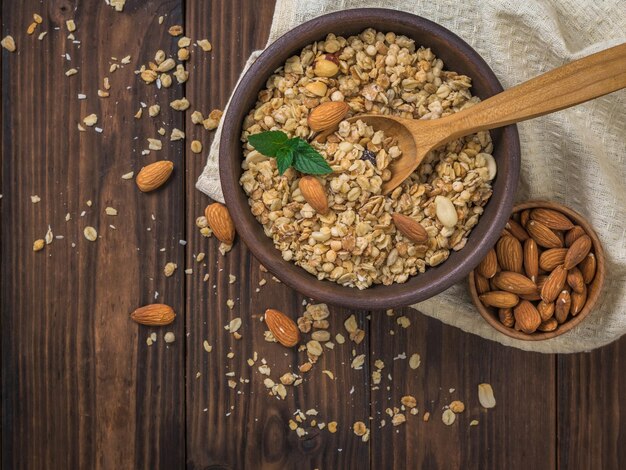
576, 157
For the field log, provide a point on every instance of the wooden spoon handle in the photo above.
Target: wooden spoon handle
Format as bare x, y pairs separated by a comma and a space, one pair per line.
569, 85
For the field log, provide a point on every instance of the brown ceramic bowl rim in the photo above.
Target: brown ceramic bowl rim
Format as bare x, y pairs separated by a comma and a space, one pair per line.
450, 48
598, 280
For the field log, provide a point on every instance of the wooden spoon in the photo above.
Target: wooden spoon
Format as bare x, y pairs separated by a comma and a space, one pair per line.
569, 85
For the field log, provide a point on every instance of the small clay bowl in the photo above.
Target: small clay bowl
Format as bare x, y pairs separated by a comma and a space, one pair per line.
457, 55
594, 289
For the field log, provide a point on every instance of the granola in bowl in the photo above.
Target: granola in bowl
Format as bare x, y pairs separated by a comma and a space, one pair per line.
356, 243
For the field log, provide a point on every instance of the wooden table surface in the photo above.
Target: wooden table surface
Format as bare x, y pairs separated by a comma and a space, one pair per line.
81, 388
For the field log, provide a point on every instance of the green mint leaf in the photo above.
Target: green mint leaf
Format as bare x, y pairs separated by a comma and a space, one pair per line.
284, 159
307, 159
268, 143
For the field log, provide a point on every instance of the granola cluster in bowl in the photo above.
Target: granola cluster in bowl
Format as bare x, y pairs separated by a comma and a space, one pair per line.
356, 243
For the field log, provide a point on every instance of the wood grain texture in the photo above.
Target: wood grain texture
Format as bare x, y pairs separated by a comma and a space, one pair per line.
215, 412
591, 412
452, 365
81, 389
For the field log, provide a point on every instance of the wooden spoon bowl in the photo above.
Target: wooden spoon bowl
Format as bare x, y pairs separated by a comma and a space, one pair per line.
593, 290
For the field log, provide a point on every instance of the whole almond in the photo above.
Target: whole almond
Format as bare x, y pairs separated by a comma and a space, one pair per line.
531, 259
575, 280
488, 267
577, 252
562, 306
514, 282
410, 228
154, 175
578, 302
510, 254
527, 318
524, 217
327, 115
154, 315
551, 258
500, 299
554, 284
506, 317
588, 268
218, 218
573, 234
551, 219
482, 284
282, 327
516, 230
548, 325
545, 309
313, 192
543, 235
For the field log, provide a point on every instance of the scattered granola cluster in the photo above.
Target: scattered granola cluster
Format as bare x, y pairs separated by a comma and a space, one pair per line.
162, 68
356, 242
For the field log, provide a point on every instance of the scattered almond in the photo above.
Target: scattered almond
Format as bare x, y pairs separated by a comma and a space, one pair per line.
282, 327
154, 315
155, 175
221, 223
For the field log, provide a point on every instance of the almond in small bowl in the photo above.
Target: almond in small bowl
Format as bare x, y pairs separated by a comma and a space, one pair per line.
544, 275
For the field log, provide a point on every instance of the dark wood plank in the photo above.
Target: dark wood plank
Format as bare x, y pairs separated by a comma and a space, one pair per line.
518, 433
81, 389
591, 412
245, 427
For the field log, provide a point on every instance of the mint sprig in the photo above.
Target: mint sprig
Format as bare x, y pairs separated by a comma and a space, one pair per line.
288, 152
